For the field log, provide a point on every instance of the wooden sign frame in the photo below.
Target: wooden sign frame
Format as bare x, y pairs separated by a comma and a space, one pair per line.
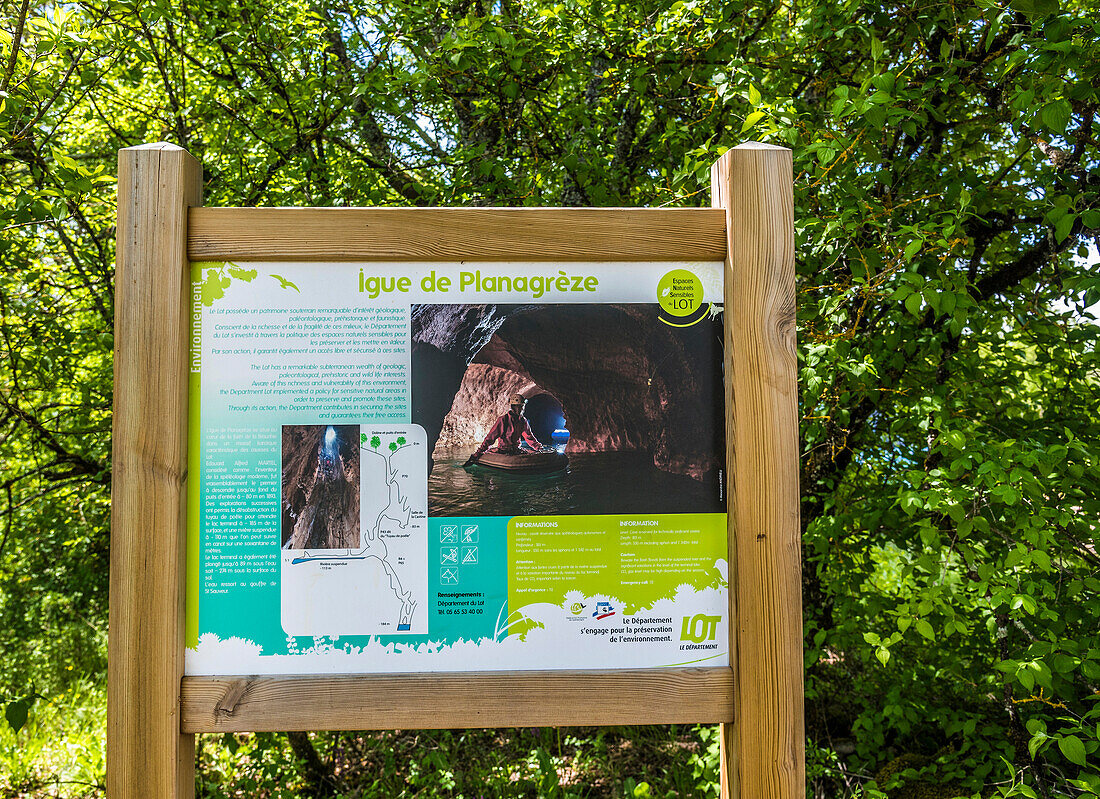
153, 711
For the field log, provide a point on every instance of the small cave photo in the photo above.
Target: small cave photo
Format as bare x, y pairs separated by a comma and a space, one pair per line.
320, 486
549, 409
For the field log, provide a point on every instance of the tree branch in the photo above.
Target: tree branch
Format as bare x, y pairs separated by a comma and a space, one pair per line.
16, 43
394, 173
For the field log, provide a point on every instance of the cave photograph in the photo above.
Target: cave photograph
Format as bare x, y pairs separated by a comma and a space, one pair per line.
551, 409
320, 486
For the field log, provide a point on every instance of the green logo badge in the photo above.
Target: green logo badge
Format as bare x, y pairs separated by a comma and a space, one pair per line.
680, 293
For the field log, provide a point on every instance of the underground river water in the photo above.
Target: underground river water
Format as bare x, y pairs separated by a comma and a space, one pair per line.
593, 483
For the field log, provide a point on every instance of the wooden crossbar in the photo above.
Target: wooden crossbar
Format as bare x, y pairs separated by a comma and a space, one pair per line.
456, 234
457, 700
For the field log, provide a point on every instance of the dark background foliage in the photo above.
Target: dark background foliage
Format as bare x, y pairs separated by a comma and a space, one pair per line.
947, 179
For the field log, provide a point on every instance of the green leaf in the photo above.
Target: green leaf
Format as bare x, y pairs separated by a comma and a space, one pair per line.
212, 288
924, 628
912, 248
754, 95
1025, 677
1073, 749
247, 275
1026, 602
1037, 740
16, 714
752, 119
1055, 116
1064, 226
948, 301
913, 303
1035, 8
1087, 782
876, 116
955, 439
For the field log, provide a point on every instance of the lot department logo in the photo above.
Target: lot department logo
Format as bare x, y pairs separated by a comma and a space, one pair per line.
699, 628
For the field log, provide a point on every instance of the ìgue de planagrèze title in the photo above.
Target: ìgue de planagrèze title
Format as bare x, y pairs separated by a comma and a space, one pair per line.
537, 285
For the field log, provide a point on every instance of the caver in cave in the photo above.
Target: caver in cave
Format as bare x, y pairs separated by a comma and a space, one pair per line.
511, 445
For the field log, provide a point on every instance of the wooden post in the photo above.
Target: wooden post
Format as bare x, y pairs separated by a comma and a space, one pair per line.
146, 753
763, 752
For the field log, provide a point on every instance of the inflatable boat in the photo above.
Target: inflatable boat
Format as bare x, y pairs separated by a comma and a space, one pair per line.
529, 462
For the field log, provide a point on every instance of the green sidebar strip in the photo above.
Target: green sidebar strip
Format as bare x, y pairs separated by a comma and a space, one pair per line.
191, 615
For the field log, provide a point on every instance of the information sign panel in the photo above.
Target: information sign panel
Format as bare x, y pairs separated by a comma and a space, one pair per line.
455, 466
298, 540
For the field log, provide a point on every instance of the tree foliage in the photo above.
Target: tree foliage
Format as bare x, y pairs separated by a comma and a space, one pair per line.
947, 180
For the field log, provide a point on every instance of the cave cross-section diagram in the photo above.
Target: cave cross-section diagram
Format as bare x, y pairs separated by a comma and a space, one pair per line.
355, 554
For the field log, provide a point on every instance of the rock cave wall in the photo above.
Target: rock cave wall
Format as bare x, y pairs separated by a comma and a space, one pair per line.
481, 399
625, 380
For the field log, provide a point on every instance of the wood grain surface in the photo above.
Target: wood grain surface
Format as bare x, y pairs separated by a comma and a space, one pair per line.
146, 753
763, 753
453, 700
456, 234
